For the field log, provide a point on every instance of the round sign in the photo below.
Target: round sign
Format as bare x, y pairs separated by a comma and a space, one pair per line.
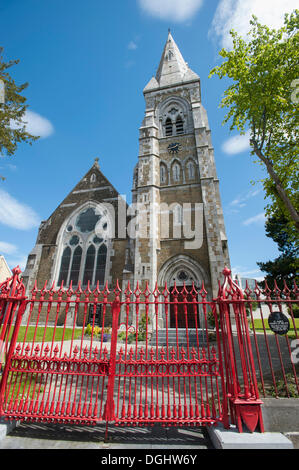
279, 323
122, 327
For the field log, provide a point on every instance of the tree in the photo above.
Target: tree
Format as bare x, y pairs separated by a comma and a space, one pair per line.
286, 266
12, 110
265, 70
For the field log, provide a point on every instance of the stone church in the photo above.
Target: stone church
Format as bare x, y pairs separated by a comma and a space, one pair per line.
94, 237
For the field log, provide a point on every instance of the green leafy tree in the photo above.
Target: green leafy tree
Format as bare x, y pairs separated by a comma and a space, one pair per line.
285, 266
12, 110
264, 98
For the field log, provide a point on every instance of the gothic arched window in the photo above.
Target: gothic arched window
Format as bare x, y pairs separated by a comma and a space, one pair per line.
85, 248
174, 117
163, 174
176, 172
191, 170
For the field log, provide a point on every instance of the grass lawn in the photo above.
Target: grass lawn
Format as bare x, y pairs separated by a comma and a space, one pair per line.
49, 334
19, 384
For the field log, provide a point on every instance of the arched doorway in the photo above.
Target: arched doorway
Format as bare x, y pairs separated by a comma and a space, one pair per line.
182, 271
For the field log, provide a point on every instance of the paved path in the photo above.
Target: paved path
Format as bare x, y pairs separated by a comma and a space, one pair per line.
50, 436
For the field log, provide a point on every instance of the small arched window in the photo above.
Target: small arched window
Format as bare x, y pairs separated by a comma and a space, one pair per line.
176, 172
191, 170
179, 125
163, 174
168, 127
93, 178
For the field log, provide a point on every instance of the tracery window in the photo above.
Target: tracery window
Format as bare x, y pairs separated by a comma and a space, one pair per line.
174, 120
84, 255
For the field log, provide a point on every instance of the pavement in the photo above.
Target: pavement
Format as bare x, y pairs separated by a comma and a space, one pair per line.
53, 436
40, 436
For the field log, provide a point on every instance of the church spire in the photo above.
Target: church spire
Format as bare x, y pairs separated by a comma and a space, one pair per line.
172, 68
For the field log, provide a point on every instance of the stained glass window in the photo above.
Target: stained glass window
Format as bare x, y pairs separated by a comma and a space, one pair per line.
87, 220
97, 240
85, 253
74, 240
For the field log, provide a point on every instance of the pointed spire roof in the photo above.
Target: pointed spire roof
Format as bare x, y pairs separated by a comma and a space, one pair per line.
172, 68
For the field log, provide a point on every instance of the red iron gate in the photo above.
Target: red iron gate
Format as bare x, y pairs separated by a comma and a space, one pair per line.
58, 367
132, 357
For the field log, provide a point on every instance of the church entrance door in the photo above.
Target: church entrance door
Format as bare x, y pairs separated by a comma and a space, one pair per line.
183, 314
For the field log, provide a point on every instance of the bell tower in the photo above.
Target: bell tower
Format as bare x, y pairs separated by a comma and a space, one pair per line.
180, 226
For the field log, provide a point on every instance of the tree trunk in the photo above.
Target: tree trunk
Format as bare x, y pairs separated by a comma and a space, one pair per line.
280, 190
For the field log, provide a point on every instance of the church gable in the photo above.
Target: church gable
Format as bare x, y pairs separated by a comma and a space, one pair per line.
94, 187
78, 242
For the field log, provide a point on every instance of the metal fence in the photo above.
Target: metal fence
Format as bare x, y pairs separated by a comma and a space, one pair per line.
140, 357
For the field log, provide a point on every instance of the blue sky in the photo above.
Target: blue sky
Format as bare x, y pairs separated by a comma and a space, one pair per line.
87, 64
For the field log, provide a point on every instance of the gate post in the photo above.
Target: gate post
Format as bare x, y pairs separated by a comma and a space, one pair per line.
243, 394
110, 405
15, 296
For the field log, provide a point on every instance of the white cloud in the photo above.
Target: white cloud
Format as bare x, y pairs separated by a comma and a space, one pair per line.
7, 248
35, 124
15, 214
257, 219
172, 10
236, 144
132, 46
236, 14
248, 273
237, 204
240, 201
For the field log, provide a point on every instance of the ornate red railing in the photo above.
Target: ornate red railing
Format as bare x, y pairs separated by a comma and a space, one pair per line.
132, 357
